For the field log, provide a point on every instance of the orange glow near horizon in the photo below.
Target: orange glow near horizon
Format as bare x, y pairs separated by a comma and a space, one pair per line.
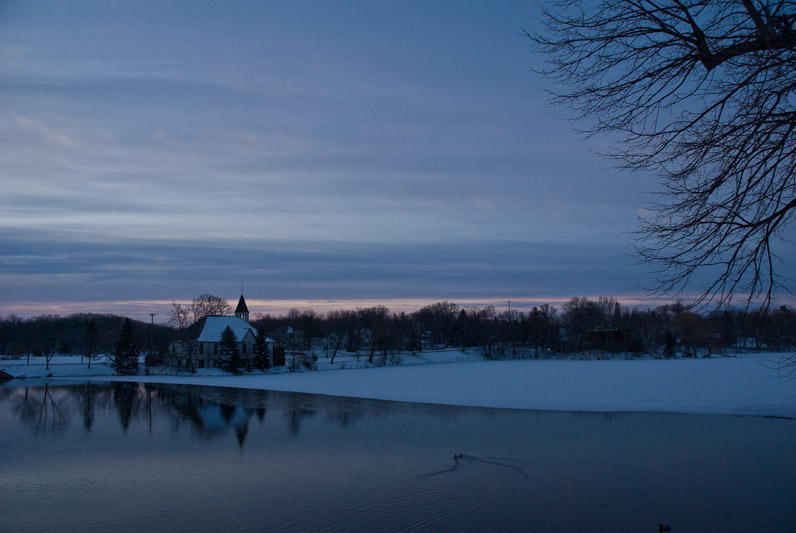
140, 309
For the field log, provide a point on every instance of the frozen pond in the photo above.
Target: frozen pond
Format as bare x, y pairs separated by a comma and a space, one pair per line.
133, 457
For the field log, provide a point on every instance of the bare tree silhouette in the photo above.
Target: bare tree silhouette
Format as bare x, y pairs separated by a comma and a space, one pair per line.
702, 94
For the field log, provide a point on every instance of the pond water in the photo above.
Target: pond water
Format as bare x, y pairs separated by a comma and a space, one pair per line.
134, 457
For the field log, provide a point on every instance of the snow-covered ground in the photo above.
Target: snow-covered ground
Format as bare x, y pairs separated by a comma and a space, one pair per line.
743, 385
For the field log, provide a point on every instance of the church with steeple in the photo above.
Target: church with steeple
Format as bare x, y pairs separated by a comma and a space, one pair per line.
198, 345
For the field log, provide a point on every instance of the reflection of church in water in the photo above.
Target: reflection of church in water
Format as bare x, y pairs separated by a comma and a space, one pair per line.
209, 412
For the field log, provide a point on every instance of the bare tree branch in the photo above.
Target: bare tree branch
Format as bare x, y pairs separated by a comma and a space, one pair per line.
703, 93
208, 304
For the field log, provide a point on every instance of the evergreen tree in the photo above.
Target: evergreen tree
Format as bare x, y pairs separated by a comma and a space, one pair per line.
616, 320
228, 352
670, 344
262, 360
125, 356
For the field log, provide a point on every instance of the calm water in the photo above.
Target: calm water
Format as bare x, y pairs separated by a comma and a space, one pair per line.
130, 457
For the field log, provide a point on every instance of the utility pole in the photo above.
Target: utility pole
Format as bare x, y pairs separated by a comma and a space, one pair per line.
149, 352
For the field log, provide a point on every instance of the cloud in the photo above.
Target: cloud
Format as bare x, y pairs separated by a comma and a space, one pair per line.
360, 151
41, 134
39, 266
299, 142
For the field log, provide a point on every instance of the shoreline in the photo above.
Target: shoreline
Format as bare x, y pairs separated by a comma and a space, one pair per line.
743, 385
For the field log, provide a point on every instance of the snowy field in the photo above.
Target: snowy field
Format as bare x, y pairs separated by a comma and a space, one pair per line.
742, 385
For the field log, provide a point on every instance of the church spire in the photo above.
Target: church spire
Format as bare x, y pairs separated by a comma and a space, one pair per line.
242, 311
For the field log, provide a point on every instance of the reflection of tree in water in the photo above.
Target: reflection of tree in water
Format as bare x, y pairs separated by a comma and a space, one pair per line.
228, 412
209, 412
87, 398
342, 416
206, 418
298, 409
43, 409
241, 432
184, 407
126, 399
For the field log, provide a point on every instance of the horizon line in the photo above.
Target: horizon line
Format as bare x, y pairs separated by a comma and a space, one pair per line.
141, 309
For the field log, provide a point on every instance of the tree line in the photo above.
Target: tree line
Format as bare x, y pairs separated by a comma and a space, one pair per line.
580, 326
83, 334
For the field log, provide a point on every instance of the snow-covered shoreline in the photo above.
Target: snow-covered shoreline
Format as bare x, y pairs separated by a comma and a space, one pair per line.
743, 385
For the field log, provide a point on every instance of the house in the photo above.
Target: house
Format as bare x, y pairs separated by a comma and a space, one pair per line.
198, 345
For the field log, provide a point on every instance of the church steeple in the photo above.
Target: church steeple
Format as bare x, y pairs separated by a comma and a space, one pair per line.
242, 311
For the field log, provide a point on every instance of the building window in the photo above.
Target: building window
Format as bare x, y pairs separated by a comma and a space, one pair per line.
215, 347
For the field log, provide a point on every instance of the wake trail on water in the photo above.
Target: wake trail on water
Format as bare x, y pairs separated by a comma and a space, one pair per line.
460, 460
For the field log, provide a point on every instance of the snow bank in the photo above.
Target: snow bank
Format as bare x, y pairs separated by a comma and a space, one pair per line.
60, 366
744, 385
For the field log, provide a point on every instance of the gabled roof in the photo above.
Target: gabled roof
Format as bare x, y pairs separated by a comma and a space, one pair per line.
215, 325
191, 332
241, 306
201, 331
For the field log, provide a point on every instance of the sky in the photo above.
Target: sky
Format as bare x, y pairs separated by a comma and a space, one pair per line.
318, 154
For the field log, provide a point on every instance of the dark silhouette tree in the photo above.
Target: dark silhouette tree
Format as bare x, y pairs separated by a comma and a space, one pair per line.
670, 345
125, 356
51, 348
439, 319
262, 359
206, 305
178, 315
228, 352
335, 332
702, 92
90, 340
375, 320
279, 355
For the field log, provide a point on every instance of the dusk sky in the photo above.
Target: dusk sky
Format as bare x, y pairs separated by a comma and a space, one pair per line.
324, 154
